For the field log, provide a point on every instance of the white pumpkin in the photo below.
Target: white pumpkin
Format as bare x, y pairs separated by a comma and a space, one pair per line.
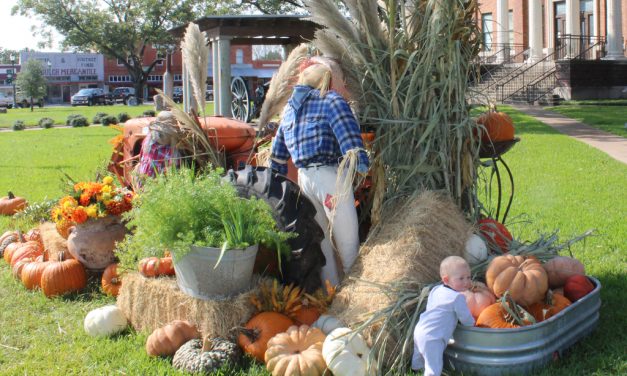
346, 353
476, 250
327, 323
105, 321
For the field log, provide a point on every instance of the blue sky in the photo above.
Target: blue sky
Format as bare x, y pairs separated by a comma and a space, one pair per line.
15, 31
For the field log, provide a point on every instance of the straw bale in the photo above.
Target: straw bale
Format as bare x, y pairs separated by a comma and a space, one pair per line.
150, 303
407, 247
52, 240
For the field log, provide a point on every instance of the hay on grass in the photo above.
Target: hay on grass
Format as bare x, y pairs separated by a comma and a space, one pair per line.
53, 241
407, 247
150, 303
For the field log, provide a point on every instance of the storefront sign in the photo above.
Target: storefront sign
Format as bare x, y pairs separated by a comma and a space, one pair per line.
72, 67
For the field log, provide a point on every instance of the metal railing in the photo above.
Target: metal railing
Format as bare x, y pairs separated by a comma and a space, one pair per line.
525, 76
499, 53
541, 87
580, 47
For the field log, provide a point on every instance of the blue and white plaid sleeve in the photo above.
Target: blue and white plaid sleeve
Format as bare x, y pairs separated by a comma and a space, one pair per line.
279, 154
346, 130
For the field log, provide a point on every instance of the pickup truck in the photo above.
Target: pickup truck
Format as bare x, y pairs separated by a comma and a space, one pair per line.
90, 97
5, 101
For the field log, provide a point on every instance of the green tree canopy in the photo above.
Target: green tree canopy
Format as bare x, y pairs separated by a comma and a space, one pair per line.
31, 81
121, 29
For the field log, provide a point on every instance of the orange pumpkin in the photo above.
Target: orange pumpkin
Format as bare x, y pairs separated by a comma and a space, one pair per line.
34, 235
503, 314
10, 250
11, 204
254, 337
560, 268
306, 315
523, 277
16, 268
496, 235
498, 126
166, 340
577, 286
63, 276
478, 298
8, 238
155, 266
31, 274
111, 281
296, 352
549, 307
29, 249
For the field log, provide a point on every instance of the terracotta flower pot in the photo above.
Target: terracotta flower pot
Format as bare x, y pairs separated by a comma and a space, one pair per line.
92, 243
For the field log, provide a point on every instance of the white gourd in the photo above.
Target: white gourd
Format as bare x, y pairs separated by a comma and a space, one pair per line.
105, 321
476, 250
346, 353
327, 323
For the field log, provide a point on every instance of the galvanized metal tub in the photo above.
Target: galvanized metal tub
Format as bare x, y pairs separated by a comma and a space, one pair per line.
523, 350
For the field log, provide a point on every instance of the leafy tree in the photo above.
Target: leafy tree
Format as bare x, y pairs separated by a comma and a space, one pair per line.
273, 6
120, 29
5, 56
31, 80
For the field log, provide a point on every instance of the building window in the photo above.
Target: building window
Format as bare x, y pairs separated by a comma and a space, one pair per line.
160, 57
486, 29
125, 78
510, 23
155, 78
120, 62
178, 77
239, 56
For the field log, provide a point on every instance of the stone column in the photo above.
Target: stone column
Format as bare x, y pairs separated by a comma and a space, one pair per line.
502, 30
535, 31
573, 29
614, 31
550, 26
222, 71
215, 66
168, 77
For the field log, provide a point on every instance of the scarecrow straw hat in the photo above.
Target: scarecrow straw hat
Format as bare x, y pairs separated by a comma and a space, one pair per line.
164, 129
317, 76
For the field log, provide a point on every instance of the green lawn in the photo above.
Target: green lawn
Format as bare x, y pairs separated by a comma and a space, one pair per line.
60, 113
561, 184
607, 115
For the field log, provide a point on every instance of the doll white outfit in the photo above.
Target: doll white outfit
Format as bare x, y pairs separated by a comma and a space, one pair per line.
435, 327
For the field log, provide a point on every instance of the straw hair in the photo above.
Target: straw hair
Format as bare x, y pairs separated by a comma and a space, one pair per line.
53, 242
150, 303
449, 264
317, 76
407, 246
195, 51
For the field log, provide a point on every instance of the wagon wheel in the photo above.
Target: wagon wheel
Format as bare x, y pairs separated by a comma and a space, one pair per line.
240, 103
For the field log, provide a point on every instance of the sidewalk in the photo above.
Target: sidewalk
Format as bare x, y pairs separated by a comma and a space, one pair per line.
612, 145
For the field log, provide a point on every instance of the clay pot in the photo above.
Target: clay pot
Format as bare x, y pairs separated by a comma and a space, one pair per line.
92, 243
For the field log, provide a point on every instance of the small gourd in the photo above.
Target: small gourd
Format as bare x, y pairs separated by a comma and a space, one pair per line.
346, 353
111, 281
11, 204
298, 351
328, 323
577, 286
166, 340
207, 356
254, 337
155, 266
476, 250
105, 321
478, 298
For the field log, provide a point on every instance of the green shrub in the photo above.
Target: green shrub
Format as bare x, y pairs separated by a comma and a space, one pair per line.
98, 117
46, 122
18, 125
123, 117
108, 120
149, 113
77, 120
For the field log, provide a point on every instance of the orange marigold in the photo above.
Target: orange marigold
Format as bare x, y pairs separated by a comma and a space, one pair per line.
79, 215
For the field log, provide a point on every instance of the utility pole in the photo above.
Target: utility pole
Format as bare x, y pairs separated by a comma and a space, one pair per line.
12, 58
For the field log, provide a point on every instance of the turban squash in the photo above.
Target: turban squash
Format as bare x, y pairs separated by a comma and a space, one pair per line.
523, 277
207, 356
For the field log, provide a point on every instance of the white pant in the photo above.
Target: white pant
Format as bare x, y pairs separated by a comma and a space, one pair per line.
428, 354
318, 184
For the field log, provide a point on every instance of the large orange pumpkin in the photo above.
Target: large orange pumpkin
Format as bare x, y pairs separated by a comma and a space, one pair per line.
548, 307
498, 126
503, 314
63, 276
306, 315
111, 281
29, 249
17, 268
560, 268
11, 204
31, 274
254, 337
10, 250
478, 298
523, 277
496, 235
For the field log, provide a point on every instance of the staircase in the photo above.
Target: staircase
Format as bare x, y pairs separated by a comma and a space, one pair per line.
528, 83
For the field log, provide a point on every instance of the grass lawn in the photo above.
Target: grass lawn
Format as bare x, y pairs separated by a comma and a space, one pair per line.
607, 115
561, 184
60, 113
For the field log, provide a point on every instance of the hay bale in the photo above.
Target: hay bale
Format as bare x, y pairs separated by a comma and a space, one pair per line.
408, 246
52, 240
150, 303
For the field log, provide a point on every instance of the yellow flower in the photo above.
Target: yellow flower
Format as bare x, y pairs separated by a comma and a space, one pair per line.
92, 211
106, 196
106, 189
68, 205
107, 180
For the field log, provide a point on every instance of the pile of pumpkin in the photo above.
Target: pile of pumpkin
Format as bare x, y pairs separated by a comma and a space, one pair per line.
289, 334
528, 291
30, 264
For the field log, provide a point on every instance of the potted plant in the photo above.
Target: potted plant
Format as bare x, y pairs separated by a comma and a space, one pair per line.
211, 232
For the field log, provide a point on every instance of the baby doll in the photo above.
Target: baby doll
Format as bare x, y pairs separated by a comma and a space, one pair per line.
445, 306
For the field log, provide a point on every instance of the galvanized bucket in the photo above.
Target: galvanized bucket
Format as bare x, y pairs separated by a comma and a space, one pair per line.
523, 351
197, 277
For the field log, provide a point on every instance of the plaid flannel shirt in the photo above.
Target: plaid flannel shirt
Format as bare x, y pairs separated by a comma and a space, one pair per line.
316, 129
154, 157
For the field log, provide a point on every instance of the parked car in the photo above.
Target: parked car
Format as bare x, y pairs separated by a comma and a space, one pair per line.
5, 101
122, 94
209, 93
23, 101
177, 94
91, 97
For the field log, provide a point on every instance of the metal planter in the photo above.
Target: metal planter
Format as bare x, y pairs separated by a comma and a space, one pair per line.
522, 351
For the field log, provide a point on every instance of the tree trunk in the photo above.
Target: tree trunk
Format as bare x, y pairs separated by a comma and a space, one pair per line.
31, 104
